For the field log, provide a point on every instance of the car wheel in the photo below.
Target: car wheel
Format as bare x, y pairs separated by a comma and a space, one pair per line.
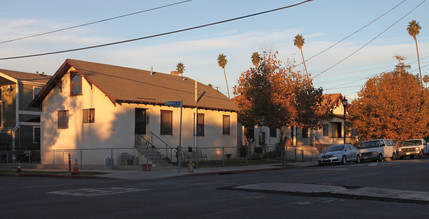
358, 159
380, 157
421, 154
344, 160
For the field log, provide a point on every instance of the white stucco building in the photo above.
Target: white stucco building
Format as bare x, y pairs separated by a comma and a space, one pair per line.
98, 112
330, 132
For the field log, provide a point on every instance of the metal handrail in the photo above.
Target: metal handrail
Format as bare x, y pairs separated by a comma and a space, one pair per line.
153, 134
167, 148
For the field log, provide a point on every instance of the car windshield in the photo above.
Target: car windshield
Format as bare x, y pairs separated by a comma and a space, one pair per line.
412, 142
370, 144
335, 148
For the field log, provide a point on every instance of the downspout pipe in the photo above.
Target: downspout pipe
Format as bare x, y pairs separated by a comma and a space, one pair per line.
16, 120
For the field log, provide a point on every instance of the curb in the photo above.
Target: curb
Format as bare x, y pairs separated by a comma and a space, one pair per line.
226, 172
57, 176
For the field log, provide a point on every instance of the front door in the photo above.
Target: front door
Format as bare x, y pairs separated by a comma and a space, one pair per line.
140, 124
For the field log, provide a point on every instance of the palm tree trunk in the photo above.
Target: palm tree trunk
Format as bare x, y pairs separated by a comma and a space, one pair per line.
418, 60
226, 80
303, 60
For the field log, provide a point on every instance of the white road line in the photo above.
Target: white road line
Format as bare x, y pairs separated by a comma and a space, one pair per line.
93, 192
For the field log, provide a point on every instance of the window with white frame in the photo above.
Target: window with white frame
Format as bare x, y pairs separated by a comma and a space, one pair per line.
36, 91
36, 134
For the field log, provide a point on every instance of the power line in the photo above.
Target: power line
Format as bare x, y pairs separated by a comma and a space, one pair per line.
359, 79
157, 35
354, 32
369, 41
94, 22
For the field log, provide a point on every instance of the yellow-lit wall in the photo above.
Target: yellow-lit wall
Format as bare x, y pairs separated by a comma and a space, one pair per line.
114, 127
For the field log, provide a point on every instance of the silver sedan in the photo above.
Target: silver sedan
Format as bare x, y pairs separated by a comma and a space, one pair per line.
340, 153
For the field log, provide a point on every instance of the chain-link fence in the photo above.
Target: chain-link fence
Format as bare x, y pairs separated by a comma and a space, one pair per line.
24, 156
201, 156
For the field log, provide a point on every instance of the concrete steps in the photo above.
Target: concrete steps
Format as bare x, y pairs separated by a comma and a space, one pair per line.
151, 154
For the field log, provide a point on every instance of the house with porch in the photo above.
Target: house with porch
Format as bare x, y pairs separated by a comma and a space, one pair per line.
102, 114
19, 124
332, 131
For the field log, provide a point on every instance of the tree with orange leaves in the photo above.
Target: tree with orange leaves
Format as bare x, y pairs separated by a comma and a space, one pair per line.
276, 96
393, 106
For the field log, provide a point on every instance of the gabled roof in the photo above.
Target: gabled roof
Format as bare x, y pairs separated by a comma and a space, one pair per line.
9, 77
333, 100
122, 84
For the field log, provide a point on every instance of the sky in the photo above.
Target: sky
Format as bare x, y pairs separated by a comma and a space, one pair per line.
343, 68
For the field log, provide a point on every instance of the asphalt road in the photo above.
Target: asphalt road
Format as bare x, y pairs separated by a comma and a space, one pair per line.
216, 196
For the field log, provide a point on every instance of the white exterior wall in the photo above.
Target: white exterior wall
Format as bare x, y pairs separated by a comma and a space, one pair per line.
328, 140
114, 127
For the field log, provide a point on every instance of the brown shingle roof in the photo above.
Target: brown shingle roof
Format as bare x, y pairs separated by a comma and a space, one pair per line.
332, 99
123, 84
24, 76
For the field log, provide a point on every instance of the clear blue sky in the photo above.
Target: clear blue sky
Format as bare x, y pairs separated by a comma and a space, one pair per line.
321, 22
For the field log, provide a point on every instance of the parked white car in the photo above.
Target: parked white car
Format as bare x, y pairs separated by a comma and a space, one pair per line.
377, 149
340, 153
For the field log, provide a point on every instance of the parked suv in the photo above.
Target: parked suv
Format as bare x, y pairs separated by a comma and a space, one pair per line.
377, 149
413, 147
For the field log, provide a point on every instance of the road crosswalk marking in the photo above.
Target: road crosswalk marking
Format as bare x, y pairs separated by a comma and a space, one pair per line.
93, 192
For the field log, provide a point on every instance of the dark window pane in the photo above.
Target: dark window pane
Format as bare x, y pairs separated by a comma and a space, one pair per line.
200, 125
76, 89
166, 122
88, 115
140, 121
36, 91
63, 119
76, 79
304, 132
226, 127
273, 132
36, 135
76, 83
326, 130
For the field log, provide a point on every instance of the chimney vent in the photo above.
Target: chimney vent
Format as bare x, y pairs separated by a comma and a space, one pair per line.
151, 70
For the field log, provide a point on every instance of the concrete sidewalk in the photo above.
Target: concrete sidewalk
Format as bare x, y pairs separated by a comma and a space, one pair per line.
167, 172
164, 172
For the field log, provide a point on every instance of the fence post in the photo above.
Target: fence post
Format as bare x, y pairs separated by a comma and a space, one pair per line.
111, 156
223, 156
247, 155
81, 158
267, 150
302, 154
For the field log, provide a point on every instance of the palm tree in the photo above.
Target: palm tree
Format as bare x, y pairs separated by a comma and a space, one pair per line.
256, 58
414, 30
221, 61
426, 80
180, 68
299, 42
